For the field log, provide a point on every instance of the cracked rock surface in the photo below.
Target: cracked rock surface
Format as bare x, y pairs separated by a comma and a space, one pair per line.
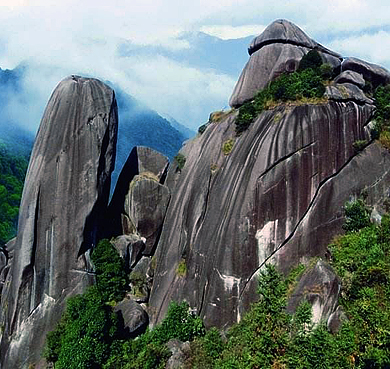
66, 191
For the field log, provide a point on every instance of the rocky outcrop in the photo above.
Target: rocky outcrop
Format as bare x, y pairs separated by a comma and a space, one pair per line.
135, 319
65, 194
373, 73
349, 76
277, 50
320, 286
276, 197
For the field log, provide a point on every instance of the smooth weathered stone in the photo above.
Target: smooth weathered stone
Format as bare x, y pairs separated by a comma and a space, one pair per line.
336, 319
141, 161
179, 350
319, 286
134, 316
349, 76
146, 205
130, 248
65, 194
376, 74
347, 92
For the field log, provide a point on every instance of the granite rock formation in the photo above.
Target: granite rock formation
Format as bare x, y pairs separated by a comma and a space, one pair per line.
277, 196
65, 194
277, 50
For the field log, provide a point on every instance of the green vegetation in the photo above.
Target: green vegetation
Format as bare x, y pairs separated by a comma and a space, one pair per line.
381, 129
357, 216
227, 146
90, 335
181, 270
111, 279
359, 145
180, 160
12, 172
306, 84
202, 128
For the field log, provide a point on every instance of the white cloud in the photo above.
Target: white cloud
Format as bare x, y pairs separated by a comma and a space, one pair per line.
227, 32
369, 47
71, 36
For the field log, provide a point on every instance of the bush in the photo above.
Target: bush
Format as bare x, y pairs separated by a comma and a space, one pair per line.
202, 128
311, 60
180, 160
227, 146
359, 145
111, 278
83, 337
181, 269
357, 216
326, 70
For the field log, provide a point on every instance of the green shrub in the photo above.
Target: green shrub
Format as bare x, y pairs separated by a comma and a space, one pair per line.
83, 337
359, 145
311, 60
307, 83
202, 128
227, 146
357, 216
181, 269
111, 277
180, 160
326, 71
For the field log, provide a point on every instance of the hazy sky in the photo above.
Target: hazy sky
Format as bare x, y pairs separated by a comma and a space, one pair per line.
65, 37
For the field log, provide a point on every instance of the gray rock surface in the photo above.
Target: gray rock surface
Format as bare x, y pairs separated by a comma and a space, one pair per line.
349, 76
179, 350
277, 50
347, 92
130, 248
336, 319
134, 316
371, 72
66, 191
319, 286
141, 161
277, 196
284, 31
146, 204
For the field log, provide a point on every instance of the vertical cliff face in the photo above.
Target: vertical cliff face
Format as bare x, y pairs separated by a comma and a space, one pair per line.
276, 196
65, 195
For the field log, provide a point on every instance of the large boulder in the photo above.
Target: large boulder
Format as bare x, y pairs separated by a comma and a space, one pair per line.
144, 163
134, 316
146, 204
66, 191
373, 73
277, 50
319, 286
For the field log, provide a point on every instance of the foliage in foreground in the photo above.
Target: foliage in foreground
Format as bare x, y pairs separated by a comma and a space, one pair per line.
91, 336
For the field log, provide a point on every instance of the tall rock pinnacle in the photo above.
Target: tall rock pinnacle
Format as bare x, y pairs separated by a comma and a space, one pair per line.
66, 188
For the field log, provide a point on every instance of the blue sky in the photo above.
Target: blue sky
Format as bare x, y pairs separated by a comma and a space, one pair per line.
58, 38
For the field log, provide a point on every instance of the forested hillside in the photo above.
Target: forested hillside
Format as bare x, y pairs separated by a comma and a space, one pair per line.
12, 172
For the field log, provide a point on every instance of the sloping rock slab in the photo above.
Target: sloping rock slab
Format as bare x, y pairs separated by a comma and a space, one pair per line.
319, 286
